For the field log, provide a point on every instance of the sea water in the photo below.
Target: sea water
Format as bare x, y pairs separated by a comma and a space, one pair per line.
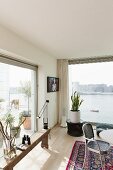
97, 108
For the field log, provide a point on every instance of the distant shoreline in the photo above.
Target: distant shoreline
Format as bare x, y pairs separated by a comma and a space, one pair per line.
99, 93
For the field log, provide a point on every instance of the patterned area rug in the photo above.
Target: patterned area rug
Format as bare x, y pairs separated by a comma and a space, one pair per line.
92, 161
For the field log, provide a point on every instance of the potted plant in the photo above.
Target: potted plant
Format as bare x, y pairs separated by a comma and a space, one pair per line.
75, 112
9, 120
26, 89
9, 149
9, 132
15, 130
27, 117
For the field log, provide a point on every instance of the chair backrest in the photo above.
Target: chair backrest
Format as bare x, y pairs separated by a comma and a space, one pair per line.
88, 131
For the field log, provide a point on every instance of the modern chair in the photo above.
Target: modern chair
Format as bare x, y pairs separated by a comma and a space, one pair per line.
98, 146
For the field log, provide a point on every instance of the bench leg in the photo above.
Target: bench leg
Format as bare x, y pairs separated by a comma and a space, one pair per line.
44, 143
8, 168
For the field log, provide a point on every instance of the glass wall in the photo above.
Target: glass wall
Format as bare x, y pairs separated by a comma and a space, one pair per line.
95, 84
18, 96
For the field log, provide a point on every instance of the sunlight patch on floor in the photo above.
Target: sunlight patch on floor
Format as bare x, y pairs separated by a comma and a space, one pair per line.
63, 164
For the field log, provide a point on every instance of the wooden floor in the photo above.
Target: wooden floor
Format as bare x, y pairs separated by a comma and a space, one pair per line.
54, 158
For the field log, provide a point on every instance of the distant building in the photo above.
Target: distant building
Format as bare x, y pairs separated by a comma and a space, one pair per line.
91, 88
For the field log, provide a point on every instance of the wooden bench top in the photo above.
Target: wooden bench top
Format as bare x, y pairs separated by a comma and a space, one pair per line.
35, 139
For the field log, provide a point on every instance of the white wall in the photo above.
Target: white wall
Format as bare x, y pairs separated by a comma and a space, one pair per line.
22, 49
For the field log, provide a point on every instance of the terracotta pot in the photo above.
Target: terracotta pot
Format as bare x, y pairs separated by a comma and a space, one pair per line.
27, 123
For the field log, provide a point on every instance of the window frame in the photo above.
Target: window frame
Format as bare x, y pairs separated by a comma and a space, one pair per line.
20, 63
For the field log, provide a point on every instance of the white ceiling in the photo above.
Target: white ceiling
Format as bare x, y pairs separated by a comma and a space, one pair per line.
63, 28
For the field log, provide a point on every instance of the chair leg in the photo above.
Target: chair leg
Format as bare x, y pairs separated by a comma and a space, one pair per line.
84, 156
103, 168
111, 158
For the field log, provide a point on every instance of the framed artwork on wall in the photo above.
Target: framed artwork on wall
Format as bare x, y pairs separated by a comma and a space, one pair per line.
52, 84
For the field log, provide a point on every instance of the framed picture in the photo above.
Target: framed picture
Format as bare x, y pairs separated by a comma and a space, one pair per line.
52, 84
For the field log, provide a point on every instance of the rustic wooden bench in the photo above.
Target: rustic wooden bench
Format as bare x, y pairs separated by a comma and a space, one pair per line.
41, 136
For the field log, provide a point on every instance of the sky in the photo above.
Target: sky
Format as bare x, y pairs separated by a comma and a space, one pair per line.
92, 73
17, 74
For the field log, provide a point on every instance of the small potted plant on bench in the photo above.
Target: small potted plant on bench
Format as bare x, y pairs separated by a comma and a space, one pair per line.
9, 133
10, 120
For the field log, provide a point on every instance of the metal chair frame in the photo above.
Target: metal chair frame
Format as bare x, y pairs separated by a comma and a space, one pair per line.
90, 139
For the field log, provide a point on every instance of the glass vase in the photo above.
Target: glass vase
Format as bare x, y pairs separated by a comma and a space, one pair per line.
9, 148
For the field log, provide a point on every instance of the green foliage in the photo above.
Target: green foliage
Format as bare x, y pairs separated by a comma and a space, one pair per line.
20, 118
7, 128
76, 101
26, 88
26, 113
2, 100
9, 119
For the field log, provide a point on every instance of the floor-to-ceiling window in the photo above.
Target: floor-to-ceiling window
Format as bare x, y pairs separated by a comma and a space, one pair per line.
18, 92
95, 84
